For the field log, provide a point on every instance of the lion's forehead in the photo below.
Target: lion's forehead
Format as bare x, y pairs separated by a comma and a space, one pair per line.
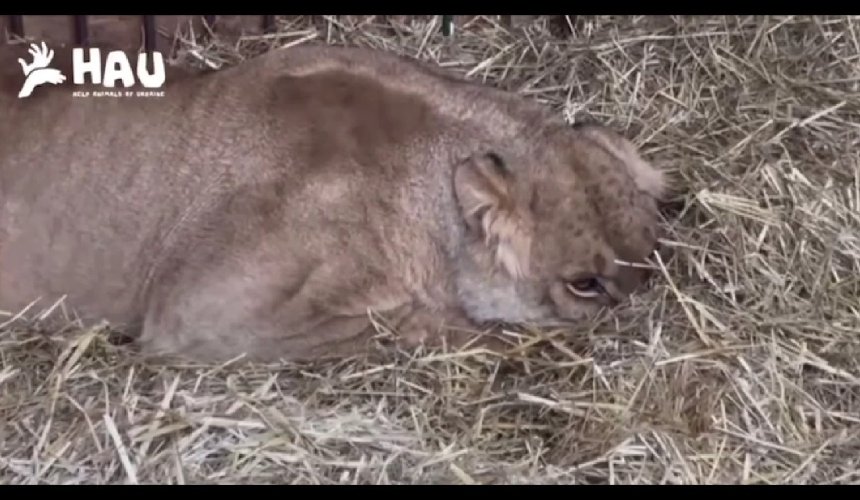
583, 227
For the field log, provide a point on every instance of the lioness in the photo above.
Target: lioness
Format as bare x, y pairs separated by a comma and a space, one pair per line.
264, 209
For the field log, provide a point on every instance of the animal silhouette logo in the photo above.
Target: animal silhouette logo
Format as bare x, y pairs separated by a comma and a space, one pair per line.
39, 71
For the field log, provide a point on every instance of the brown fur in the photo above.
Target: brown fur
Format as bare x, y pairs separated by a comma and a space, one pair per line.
266, 208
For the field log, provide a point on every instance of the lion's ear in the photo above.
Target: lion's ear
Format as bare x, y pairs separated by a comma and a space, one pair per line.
486, 193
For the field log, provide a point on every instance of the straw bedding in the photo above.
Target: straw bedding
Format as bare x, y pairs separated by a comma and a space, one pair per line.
738, 365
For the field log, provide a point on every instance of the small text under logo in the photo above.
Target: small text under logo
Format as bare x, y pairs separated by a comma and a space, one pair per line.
118, 93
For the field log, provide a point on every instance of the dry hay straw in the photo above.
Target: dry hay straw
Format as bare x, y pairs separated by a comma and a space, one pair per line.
738, 366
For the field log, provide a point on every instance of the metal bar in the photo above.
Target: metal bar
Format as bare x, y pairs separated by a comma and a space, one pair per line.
82, 32
447, 25
268, 24
149, 40
149, 34
16, 25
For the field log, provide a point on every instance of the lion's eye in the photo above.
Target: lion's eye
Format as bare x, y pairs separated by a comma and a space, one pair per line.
585, 287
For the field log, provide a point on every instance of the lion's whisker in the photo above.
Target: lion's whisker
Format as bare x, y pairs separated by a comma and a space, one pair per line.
635, 264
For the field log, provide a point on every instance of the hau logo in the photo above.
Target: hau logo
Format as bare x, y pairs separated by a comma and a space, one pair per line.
88, 68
